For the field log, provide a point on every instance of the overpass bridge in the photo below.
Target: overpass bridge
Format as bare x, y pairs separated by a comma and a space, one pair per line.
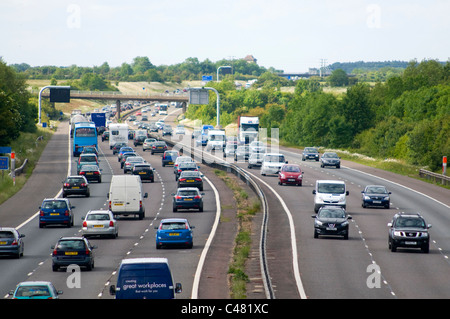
119, 96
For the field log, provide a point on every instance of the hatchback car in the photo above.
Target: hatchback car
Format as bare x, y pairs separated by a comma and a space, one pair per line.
409, 231
188, 198
90, 150
255, 160
76, 185
123, 150
125, 157
290, 174
310, 153
11, 242
147, 145
330, 159
35, 290
99, 223
145, 172
167, 130
331, 220
116, 147
56, 211
91, 172
242, 153
257, 147
105, 136
191, 179
186, 166
229, 150
73, 251
375, 195
138, 140
86, 159
169, 157
130, 162
174, 231
180, 159
272, 163
158, 147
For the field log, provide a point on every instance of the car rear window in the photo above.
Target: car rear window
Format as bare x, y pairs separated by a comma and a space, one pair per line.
70, 244
32, 291
98, 217
6, 234
88, 159
54, 204
173, 226
188, 193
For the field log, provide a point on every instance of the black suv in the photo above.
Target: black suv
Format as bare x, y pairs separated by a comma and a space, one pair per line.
409, 230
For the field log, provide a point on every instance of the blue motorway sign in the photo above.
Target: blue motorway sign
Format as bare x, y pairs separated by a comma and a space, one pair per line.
5, 149
206, 78
4, 162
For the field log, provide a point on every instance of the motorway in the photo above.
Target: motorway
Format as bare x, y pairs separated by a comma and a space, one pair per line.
299, 265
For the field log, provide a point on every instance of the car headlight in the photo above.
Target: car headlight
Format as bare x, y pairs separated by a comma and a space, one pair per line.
282, 175
386, 198
366, 197
425, 234
398, 233
344, 223
318, 222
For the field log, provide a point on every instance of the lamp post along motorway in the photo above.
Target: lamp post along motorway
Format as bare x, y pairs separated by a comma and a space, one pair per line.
58, 94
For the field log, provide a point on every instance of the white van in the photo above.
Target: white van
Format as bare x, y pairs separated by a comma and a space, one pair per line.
216, 140
272, 163
330, 192
125, 196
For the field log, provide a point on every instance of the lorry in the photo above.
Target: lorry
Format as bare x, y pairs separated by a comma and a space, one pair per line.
248, 129
99, 119
216, 139
76, 118
145, 278
125, 196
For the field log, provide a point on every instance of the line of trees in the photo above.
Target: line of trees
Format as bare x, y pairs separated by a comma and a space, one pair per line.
141, 69
407, 117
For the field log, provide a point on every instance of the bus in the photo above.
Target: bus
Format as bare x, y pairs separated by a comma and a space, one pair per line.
118, 132
84, 134
163, 109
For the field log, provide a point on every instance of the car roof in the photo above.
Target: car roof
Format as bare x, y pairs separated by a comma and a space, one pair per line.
34, 283
8, 229
145, 260
99, 211
187, 189
57, 198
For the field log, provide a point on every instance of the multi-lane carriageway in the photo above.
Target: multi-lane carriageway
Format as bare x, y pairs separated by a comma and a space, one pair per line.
299, 265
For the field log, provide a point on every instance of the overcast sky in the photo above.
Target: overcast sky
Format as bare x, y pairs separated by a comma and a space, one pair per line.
290, 35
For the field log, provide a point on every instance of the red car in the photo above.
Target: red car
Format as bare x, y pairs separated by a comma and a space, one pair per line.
290, 174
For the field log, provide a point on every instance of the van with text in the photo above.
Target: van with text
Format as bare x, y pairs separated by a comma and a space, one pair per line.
145, 278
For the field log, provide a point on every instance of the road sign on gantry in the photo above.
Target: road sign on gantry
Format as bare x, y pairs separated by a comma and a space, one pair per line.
198, 96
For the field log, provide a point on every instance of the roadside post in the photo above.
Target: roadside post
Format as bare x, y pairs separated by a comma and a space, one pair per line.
444, 165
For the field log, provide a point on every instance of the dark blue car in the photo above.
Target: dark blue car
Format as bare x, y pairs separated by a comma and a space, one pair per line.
188, 198
55, 211
169, 157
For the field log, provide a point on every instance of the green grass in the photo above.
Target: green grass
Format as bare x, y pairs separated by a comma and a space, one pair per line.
246, 209
25, 147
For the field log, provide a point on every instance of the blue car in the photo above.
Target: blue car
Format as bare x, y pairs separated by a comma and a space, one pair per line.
169, 157
35, 290
188, 198
11, 242
174, 231
56, 211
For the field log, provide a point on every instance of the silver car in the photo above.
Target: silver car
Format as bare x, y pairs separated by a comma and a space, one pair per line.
100, 223
255, 159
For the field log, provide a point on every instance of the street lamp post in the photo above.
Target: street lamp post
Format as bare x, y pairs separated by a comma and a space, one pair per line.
49, 87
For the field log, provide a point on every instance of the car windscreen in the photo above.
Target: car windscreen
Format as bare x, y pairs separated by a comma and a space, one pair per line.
331, 213
331, 188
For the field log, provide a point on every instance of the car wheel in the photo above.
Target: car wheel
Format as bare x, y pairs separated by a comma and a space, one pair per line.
393, 247
174, 209
55, 267
426, 248
64, 195
316, 235
100, 180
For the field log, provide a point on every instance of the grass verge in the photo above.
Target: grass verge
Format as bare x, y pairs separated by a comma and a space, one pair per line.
246, 209
27, 146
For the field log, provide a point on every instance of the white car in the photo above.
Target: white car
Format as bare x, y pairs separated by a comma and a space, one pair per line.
272, 163
100, 223
255, 159
180, 130
257, 147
